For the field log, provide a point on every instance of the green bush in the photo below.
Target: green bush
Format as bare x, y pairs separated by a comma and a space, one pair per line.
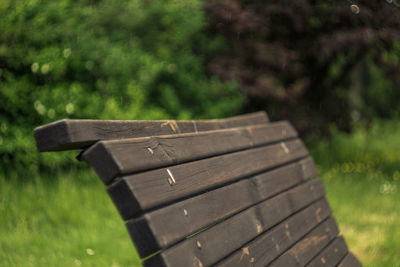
103, 59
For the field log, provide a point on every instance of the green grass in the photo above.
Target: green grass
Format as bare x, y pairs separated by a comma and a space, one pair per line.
62, 221
368, 218
361, 173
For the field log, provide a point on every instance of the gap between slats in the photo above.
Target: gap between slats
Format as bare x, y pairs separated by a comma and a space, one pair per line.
112, 158
269, 241
324, 256
290, 202
149, 190
296, 255
243, 194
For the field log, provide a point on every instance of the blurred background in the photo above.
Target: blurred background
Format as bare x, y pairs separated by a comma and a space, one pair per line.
330, 67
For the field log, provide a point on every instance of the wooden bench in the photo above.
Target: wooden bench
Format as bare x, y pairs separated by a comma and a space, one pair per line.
233, 192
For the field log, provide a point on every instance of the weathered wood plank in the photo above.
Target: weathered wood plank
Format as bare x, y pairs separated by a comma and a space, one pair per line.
116, 157
268, 246
209, 246
331, 255
77, 134
139, 192
163, 227
349, 261
309, 246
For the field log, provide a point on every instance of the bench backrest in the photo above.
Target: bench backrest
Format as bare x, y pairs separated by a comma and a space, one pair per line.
235, 192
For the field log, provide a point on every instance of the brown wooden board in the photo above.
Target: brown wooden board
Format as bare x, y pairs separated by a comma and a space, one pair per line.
268, 246
163, 227
116, 157
349, 261
209, 246
309, 246
133, 194
331, 255
77, 134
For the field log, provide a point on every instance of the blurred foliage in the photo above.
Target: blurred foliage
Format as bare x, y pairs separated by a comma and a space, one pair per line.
371, 153
101, 59
330, 61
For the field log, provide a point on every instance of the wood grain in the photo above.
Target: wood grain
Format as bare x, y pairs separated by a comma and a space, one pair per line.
309, 246
331, 255
268, 246
118, 157
226, 192
216, 242
163, 227
77, 134
136, 193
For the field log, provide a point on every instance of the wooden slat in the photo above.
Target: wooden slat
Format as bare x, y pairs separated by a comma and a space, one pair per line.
136, 193
331, 255
218, 241
163, 227
226, 192
77, 134
349, 261
268, 246
116, 157
309, 246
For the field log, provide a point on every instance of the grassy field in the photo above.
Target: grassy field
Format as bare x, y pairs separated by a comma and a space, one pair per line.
368, 219
70, 221
361, 173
